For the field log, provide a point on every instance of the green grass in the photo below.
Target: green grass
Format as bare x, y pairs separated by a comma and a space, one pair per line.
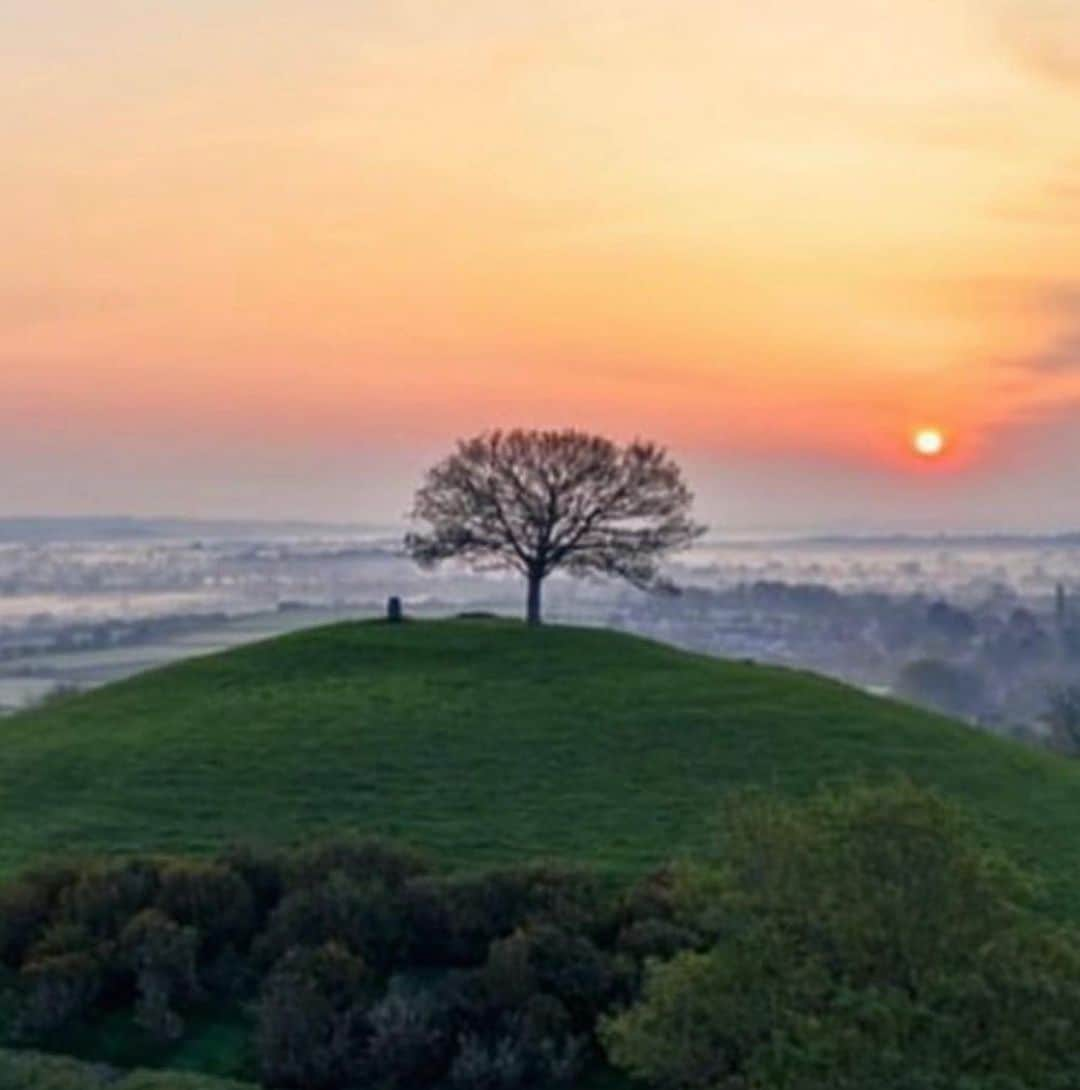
216, 1041
484, 742
31, 1071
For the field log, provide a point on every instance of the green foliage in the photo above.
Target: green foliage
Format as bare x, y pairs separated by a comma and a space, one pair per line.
359, 966
311, 1021
360, 916
29, 1071
163, 956
545, 960
485, 743
409, 1043
101, 899
209, 897
488, 743
54, 990
865, 938
453, 921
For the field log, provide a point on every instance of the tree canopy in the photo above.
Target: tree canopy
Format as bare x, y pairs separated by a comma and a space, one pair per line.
538, 501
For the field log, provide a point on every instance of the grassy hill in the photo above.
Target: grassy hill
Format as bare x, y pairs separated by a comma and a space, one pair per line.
484, 742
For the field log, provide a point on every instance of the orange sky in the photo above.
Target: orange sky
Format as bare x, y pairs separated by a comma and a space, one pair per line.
265, 257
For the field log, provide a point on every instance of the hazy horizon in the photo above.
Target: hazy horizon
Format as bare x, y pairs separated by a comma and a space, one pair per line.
116, 521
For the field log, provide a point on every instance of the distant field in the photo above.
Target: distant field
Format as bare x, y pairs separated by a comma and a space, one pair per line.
26, 680
484, 742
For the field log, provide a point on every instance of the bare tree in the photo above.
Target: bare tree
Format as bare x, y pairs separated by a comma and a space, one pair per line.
537, 501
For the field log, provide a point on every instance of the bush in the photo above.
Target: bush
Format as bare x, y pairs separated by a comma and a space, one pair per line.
866, 938
652, 939
30, 1071
210, 898
409, 1041
478, 1066
264, 875
163, 956
363, 861
311, 1031
55, 990
25, 907
362, 917
103, 898
543, 959
452, 922
510, 1060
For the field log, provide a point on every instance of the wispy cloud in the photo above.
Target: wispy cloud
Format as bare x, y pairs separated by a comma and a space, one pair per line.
1061, 353
1055, 202
1044, 36
37, 306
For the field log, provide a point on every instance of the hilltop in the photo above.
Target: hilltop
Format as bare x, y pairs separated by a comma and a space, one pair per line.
485, 742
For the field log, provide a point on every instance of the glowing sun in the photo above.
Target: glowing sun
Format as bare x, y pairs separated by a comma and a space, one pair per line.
928, 442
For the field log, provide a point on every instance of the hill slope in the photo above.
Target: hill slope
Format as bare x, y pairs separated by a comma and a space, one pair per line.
484, 742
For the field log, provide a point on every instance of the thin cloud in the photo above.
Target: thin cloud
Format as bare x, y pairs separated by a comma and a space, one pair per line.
1057, 203
1061, 355
1044, 37
36, 307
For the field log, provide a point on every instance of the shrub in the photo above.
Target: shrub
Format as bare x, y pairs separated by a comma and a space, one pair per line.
453, 921
31, 1071
362, 917
499, 1066
163, 956
409, 1041
656, 938
210, 898
509, 1060
311, 1031
545, 959
103, 898
55, 990
363, 861
25, 907
263, 873
865, 938
562, 1060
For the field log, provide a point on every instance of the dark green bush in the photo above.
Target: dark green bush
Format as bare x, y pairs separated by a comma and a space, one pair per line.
164, 959
30, 1071
482, 1066
210, 898
362, 916
866, 938
104, 897
263, 872
409, 1043
511, 1061
544, 960
55, 990
312, 1027
648, 939
363, 861
452, 922
25, 907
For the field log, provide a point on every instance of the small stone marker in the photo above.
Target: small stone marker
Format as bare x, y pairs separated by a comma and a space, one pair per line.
394, 612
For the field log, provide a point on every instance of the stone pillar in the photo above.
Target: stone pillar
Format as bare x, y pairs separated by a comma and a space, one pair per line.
394, 612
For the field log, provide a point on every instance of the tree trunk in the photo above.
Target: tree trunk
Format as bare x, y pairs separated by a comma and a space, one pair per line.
532, 613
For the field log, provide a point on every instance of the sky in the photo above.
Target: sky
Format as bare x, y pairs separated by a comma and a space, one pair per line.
270, 259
